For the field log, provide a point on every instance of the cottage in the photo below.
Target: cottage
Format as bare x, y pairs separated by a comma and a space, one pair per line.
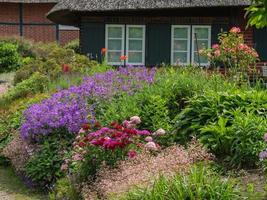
151, 32
28, 19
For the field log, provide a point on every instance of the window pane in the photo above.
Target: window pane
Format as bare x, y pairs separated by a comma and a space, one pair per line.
135, 57
135, 32
135, 45
115, 32
180, 45
114, 44
203, 60
202, 44
114, 56
202, 33
181, 33
180, 57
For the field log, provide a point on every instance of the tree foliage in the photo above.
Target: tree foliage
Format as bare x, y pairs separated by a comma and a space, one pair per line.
257, 13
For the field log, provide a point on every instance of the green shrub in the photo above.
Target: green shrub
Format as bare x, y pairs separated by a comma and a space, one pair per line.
64, 189
35, 84
200, 183
25, 47
231, 124
9, 57
74, 45
49, 61
159, 103
44, 167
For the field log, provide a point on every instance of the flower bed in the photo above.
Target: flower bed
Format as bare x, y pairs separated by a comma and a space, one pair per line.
69, 108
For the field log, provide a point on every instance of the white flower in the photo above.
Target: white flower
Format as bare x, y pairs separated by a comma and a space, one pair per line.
149, 139
160, 132
135, 120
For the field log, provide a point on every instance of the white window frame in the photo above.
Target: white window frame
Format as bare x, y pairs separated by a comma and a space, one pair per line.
188, 43
143, 39
122, 41
193, 43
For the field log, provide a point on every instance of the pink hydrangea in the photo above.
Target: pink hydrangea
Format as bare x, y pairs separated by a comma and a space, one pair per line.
151, 146
160, 132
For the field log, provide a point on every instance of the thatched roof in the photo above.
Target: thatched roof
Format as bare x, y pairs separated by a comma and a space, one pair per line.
66, 10
29, 1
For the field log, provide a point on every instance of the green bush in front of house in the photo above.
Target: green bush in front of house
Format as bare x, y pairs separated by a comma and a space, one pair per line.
230, 124
10, 59
35, 84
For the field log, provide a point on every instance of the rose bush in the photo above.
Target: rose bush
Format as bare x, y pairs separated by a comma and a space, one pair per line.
231, 52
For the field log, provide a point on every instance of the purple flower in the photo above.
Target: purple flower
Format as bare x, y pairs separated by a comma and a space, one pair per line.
263, 155
69, 108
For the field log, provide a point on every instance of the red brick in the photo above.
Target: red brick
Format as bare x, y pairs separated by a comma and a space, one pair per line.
67, 36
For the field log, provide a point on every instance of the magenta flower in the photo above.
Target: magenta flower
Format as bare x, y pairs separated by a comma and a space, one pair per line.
132, 154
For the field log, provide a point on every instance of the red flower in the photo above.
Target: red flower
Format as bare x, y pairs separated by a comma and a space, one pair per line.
97, 125
123, 57
103, 51
82, 144
132, 154
65, 68
86, 127
118, 127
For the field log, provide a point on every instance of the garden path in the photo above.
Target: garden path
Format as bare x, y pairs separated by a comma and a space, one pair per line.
12, 188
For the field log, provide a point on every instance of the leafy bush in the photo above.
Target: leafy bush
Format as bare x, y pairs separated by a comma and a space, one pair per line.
49, 61
232, 51
159, 103
25, 47
200, 183
44, 167
64, 189
9, 57
35, 84
231, 124
74, 45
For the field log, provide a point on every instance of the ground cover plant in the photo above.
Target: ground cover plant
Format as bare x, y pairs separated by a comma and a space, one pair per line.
199, 183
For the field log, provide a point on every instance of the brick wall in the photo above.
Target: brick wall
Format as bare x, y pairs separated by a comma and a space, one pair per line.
68, 35
35, 24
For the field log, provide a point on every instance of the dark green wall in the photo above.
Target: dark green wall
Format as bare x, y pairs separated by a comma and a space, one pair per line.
158, 44
260, 40
92, 39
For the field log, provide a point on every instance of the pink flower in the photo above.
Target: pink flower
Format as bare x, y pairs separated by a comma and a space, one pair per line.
64, 167
149, 139
263, 155
135, 120
217, 53
77, 157
215, 46
81, 131
151, 146
265, 137
132, 154
235, 30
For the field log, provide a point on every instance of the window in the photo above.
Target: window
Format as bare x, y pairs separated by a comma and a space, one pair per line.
201, 39
114, 43
135, 45
180, 45
187, 41
134, 40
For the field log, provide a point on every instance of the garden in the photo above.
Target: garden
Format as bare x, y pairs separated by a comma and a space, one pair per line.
72, 128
